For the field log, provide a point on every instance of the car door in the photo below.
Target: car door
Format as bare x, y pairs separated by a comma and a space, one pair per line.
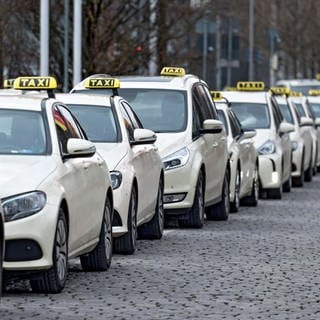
84, 184
213, 146
145, 160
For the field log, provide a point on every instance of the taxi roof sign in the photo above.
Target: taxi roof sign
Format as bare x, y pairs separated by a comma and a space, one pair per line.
173, 71
102, 83
35, 83
250, 86
279, 91
318, 76
295, 94
314, 92
216, 95
8, 83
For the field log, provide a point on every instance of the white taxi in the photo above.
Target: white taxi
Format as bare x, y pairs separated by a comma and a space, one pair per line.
301, 139
299, 85
191, 142
2, 246
135, 165
243, 157
304, 110
257, 109
56, 190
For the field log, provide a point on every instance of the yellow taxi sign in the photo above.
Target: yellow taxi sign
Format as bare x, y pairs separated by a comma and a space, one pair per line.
173, 71
318, 76
102, 83
295, 94
216, 95
280, 91
314, 92
8, 83
228, 88
250, 86
35, 83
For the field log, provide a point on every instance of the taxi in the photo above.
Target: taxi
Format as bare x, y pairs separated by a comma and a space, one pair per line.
304, 110
62, 205
301, 140
257, 109
299, 85
135, 165
191, 141
2, 246
314, 107
243, 157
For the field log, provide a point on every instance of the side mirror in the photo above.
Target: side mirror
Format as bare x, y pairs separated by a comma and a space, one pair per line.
143, 136
317, 122
248, 134
78, 148
286, 127
304, 121
211, 126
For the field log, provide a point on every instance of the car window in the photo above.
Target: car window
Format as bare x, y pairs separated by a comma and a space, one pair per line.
235, 125
286, 112
300, 110
223, 119
199, 95
277, 115
315, 108
22, 132
66, 127
196, 122
128, 123
160, 110
97, 121
133, 117
252, 115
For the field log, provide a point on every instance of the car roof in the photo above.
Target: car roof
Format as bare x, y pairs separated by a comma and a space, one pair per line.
298, 82
23, 102
82, 98
245, 96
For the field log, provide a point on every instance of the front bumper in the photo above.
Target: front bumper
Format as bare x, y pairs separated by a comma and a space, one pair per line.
270, 171
32, 239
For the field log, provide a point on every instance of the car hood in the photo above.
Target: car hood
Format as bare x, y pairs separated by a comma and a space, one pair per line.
112, 153
19, 174
262, 136
168, 143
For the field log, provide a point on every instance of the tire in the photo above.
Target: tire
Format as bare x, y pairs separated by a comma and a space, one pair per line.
253, 199
220, 211
308, 174
195, 218
154, 228
127, 243
235, 204
54, 279
274, 193
286, 187
99, 259
299, 181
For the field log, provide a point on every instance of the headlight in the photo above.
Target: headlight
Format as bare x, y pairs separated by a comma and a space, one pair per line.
176, 159
116, 179
294, 145
268, 147
23, 205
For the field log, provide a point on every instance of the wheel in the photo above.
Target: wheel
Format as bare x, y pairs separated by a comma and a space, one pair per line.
286, 187
195, 217
154, 228
127, 243
235, 204
308, 174
99, 259
220, 211
252, 200
299, 181
275, 193
54, 279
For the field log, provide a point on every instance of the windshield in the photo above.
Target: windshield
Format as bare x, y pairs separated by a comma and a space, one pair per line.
97, 121
315, 108
22, 132
158, 110
305, 89
286, 113
252, 115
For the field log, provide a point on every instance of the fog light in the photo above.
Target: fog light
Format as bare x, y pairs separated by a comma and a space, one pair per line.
174, 197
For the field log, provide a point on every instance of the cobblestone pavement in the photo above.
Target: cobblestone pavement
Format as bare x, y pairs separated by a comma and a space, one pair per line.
264, 263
